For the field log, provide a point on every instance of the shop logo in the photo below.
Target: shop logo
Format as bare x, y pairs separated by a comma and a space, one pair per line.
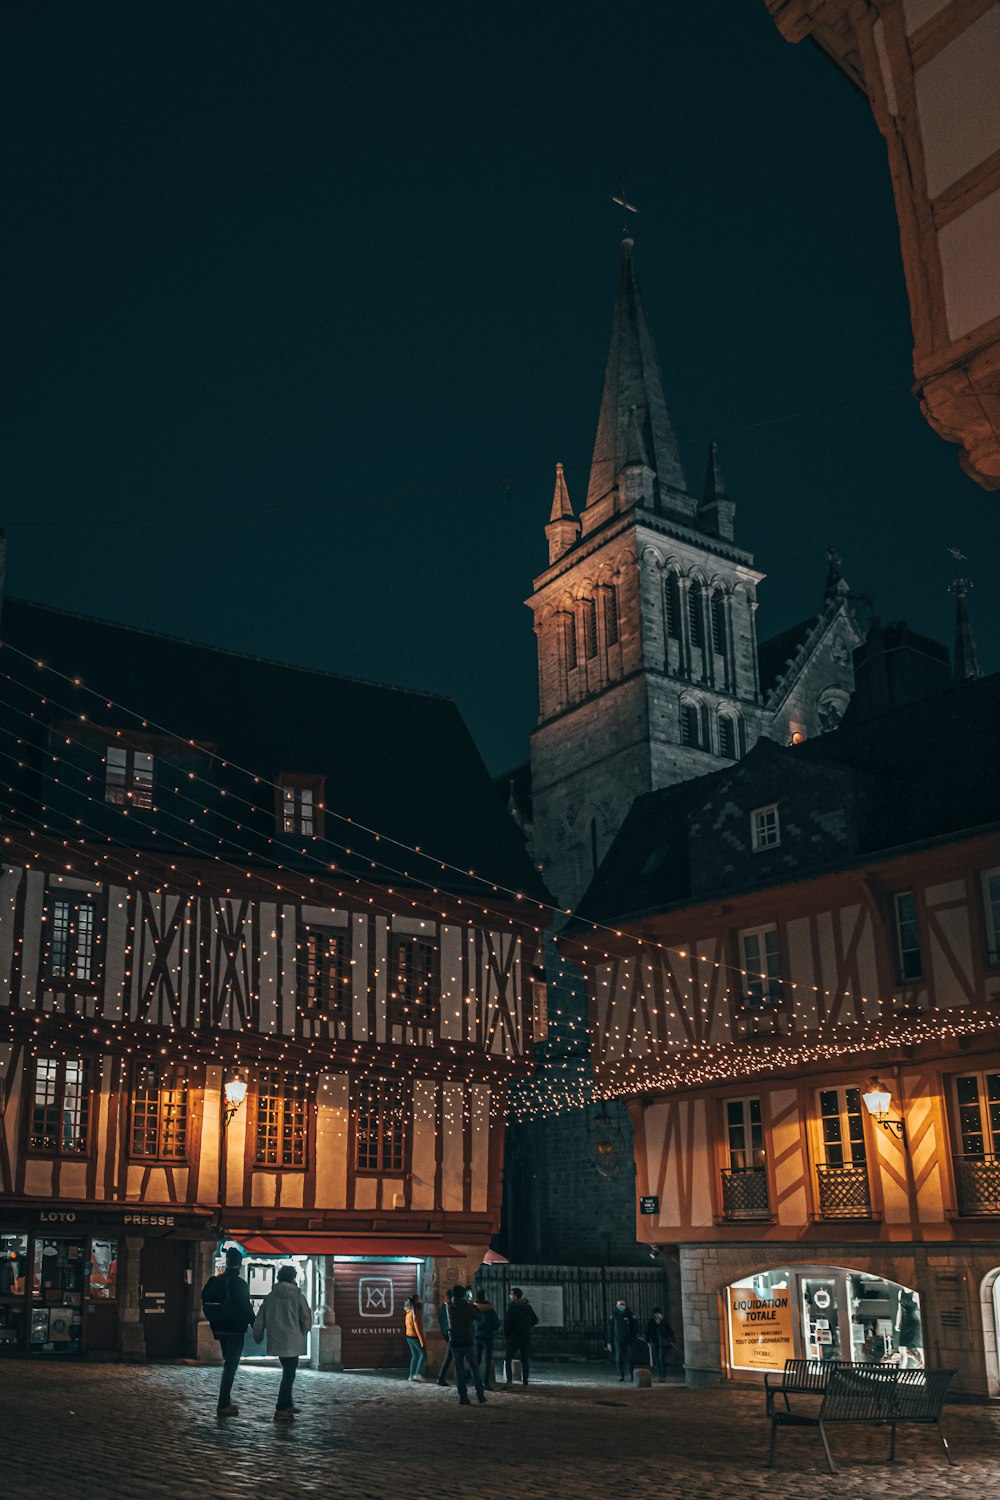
375, 1297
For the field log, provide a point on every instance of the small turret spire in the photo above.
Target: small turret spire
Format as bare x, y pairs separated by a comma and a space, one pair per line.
836, 584
715, 513
563, 528
968, 667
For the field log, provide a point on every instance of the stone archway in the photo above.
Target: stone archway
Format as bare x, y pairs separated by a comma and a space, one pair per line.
989, 1308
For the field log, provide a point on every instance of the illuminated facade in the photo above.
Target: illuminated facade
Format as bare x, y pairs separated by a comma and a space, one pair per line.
227, 1012
783, 931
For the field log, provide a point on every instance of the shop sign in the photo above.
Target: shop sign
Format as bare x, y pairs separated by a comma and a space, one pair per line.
124, 1218
650, 1204
760, 1328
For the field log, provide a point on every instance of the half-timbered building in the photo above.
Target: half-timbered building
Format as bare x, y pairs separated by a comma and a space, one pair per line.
252, 989
773, 938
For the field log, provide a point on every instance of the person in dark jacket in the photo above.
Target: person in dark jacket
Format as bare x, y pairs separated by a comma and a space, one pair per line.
461, 1339
443, 1325
660, 1338
225, 1300
621, 1332
518, 1321
486, 1326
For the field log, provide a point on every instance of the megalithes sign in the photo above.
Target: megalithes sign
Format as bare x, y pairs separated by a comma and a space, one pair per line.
760, 1329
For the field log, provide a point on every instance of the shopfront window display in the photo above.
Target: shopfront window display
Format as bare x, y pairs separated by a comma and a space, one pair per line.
57, 1295
13, 1267
822, 1312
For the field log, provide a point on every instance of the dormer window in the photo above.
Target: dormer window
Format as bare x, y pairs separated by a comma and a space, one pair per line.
765, 828
128, 777
300, 805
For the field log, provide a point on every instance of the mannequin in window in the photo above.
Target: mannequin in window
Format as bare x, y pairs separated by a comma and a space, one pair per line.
909, 1335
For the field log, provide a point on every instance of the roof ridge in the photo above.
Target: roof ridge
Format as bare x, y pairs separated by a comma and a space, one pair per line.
180, 640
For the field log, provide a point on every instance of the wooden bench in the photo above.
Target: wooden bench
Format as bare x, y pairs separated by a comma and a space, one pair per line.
875, 1395
802, 1376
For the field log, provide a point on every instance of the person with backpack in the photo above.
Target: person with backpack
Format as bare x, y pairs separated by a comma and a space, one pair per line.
461, 1342
519, 1319
225, 1301
485, 1329
286, 1317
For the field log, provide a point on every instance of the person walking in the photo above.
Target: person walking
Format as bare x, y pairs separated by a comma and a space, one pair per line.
286, 1317
225, 1301
518, 1321
414, 1309
485, 1328
621, 1332
660, 1338
461, 1341
443, 1325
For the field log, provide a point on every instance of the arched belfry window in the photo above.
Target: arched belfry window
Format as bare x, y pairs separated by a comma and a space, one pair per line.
672, 606
727, 737
611, 624
590, 628
569, 623
690, 725
695, 615
719, 624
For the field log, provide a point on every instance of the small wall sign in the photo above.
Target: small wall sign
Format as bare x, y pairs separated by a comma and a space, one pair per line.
649, 1205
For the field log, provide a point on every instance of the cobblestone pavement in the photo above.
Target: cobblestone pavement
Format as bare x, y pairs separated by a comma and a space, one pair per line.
114, 1432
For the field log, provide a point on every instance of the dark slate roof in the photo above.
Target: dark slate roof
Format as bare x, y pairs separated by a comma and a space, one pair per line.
400, 761
922, 772
774, 655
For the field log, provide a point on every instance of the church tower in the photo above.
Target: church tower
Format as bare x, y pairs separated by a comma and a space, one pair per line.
647, 650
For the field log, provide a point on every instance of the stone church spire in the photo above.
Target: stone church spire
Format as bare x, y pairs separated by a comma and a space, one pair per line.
967, 664
634, 419
715, 513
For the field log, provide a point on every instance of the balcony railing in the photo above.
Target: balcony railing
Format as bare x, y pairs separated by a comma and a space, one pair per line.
977, 1179
844, 1191
744, 1194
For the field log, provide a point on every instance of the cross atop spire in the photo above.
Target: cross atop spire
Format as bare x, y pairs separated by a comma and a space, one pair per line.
634, 408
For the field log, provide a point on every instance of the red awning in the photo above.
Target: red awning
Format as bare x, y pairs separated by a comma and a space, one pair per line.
494, 1258
338, 1244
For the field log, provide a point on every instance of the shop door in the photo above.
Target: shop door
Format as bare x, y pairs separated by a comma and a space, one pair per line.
164, 1298
261, 1273
368, 1299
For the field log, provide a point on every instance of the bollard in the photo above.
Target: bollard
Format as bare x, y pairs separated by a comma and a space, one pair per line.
642, 1376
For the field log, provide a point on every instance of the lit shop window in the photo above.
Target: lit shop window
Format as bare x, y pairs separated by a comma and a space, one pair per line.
128, 777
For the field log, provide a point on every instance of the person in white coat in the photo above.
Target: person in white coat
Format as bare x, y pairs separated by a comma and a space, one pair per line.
286, 1317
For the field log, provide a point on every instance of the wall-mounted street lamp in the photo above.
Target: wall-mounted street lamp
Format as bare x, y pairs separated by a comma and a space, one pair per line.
235, 1090
877, 1099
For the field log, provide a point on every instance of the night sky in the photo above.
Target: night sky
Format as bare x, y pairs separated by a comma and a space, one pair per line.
303, 303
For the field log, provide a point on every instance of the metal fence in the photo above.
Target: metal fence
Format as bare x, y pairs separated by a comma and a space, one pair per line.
588, 1295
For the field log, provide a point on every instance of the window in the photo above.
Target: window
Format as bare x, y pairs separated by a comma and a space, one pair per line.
991, 899
590, 628
281, 1122
159, 1111
571, 656
60, 1106
69, 950
672, 607
689, 725
765, 827
325, 983
380, 1121
300, 805
413, 981
719, 624
128, 777
977, 1099
908, 960
744, 1134
695, 616
760, 956
611, 615
539, 1005
843, 1127
727, 737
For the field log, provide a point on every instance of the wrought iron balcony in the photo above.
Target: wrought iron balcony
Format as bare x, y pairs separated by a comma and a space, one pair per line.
744, 1194
844, 1191
977, 1179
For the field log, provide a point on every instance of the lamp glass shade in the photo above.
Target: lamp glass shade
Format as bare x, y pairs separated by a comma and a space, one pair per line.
236, 1092
877, 1098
